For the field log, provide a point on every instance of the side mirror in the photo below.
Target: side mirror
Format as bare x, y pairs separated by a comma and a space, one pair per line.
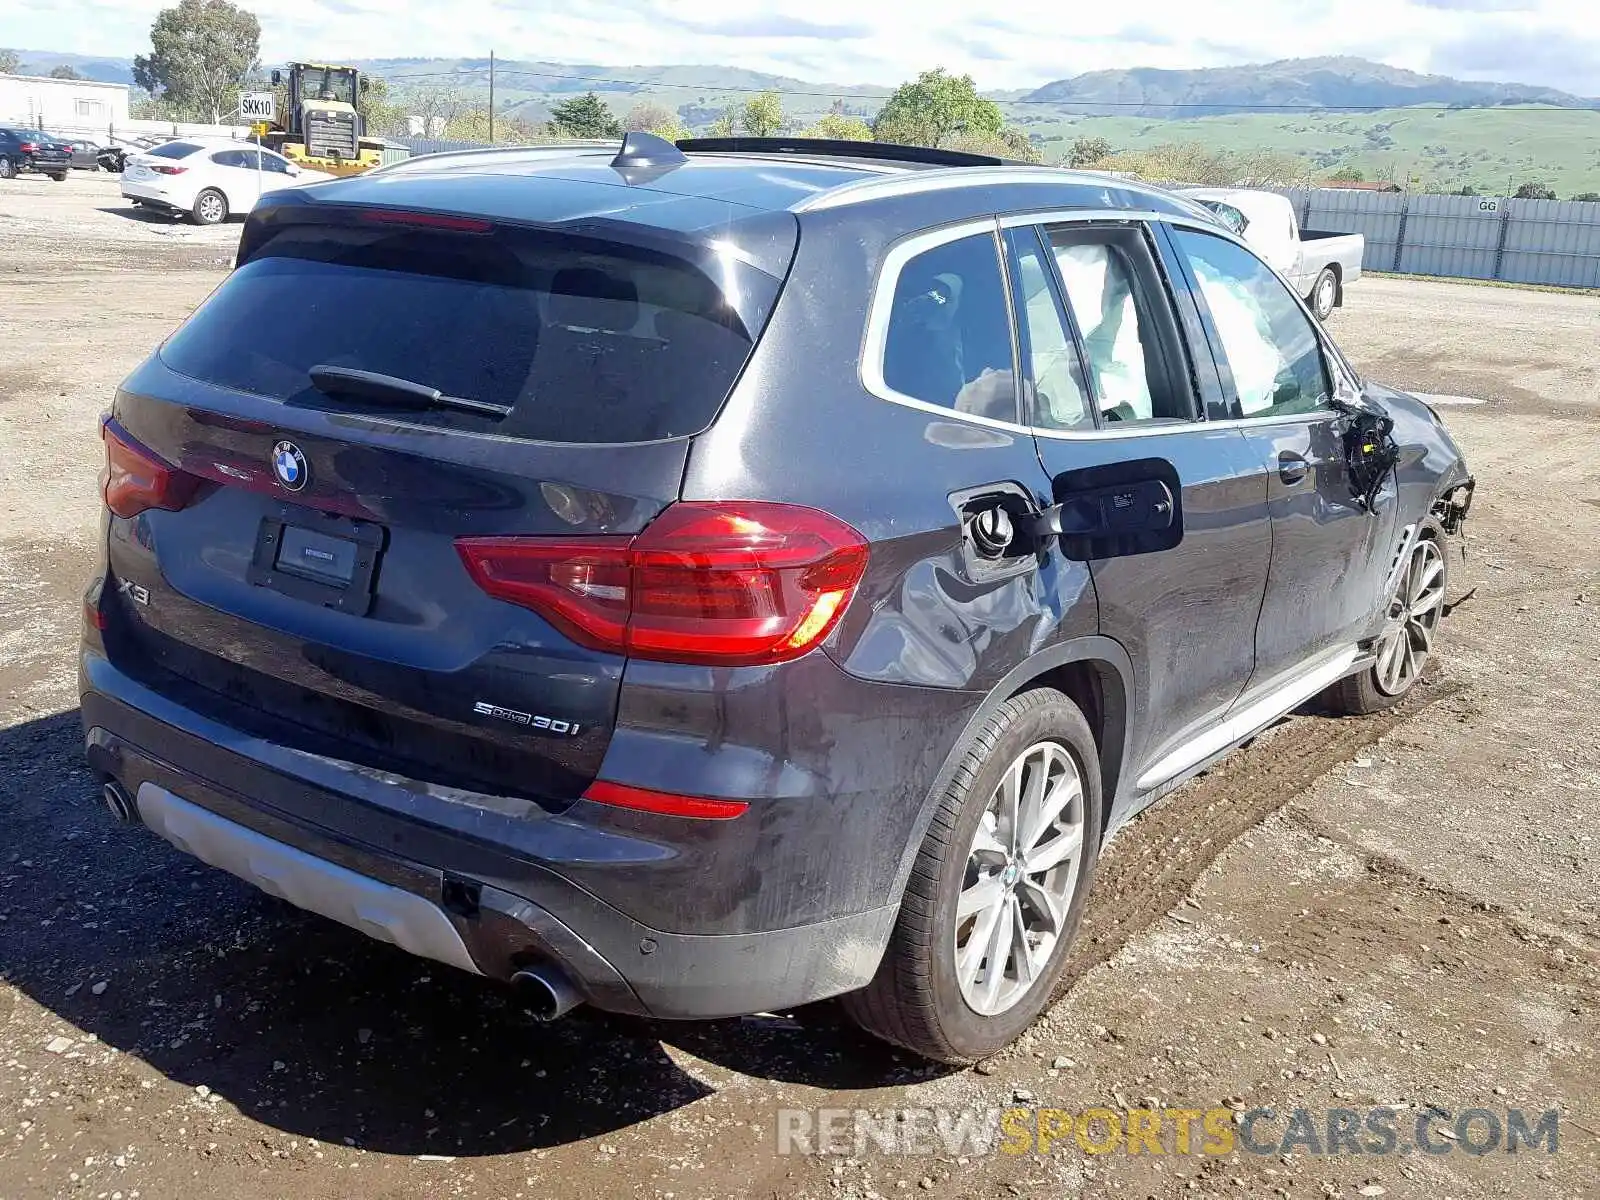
293, 170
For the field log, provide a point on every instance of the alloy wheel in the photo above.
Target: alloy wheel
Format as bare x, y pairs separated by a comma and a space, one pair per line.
1022, 872
211, 208
1414, 615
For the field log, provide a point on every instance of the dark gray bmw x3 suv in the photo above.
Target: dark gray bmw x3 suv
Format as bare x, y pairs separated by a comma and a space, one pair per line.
701, 580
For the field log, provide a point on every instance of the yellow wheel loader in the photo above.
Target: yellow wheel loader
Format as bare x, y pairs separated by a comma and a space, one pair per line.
319, 126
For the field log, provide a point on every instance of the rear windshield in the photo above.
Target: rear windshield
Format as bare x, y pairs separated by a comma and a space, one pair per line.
174, 150
585, 341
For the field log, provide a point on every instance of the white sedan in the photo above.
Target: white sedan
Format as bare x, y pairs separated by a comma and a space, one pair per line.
209, 179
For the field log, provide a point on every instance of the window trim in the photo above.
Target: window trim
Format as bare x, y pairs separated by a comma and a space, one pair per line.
874, 338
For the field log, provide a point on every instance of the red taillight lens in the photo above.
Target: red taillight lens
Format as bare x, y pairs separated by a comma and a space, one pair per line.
424, 220
136, 479
730, 584
164, 169
30, 147
669, 804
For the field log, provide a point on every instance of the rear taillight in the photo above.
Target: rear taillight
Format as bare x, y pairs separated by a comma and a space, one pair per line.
164, 169
136, 479
729, 584
30, 147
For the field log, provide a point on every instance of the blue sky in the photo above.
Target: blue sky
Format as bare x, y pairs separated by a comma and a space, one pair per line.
1022, 43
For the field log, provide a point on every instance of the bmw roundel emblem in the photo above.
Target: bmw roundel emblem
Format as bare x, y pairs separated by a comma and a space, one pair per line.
289, 465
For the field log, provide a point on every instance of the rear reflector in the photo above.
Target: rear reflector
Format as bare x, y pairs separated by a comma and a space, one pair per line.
136, 479
740, 583
669, 804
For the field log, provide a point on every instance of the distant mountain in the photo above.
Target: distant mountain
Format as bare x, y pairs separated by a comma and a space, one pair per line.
106, 70
527, 88
1330, 83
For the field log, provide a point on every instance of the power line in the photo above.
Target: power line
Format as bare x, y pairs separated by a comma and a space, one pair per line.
1221, 108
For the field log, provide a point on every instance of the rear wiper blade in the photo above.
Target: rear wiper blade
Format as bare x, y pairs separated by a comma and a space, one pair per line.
390, 391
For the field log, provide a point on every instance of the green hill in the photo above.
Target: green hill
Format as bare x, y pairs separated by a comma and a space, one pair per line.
1438, 149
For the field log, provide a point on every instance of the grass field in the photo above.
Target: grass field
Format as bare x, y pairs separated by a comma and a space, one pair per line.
1434, 148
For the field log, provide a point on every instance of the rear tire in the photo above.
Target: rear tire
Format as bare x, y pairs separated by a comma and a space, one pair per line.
1413, 612
1325, 294
8, 169
59, 178
210, 208
935, 992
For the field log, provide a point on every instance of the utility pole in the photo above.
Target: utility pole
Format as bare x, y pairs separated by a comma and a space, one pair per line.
491, 97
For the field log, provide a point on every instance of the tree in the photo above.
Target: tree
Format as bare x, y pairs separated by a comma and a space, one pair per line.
762, 116
1347, 175
840, 128
64, 72
383, 114
1085, 151
654, 118
723, 126
1008, 143
435, 105
584, 116
934, 106
1534, 191
10, 62
199, 53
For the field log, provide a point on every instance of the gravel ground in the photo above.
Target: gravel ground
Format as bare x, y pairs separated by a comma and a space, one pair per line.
1398, 911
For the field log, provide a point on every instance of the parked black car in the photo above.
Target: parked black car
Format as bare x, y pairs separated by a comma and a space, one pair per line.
30, 150
701, 580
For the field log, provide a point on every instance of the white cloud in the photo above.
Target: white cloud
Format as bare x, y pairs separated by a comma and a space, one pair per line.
846, 41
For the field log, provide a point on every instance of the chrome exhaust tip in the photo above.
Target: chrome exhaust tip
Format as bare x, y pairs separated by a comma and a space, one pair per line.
546, 991
119, 802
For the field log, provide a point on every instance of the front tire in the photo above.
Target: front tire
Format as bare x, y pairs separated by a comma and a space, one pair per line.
1325, 294
1410, 632
210, 208
8, 169
997, 889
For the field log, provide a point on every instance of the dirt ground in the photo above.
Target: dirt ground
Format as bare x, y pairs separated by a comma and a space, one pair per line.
1396, 911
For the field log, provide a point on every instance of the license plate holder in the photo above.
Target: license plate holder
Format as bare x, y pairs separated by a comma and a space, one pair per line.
327, 560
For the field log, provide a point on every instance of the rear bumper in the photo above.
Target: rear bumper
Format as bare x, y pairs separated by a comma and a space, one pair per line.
439, 892
47, 166
149, 194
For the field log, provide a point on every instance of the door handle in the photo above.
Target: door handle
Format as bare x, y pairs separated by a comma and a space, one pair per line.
1292, 469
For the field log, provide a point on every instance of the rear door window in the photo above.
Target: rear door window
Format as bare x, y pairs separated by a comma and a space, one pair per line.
586, 341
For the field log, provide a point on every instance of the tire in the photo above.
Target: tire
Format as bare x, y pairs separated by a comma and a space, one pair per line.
1413, 613
1325, 294
210, 208
918, 999
59, 178
8, 169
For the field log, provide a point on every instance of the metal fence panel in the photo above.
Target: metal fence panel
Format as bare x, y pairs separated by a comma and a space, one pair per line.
1553, 241
1451, 235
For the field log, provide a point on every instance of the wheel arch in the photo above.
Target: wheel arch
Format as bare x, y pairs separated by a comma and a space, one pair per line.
1094, 672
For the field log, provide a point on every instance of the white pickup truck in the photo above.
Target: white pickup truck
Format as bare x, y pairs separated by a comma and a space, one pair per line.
1319, 264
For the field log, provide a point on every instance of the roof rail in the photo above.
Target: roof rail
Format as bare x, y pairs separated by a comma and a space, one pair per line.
843, 148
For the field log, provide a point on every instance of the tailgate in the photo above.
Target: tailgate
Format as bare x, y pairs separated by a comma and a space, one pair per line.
309, 586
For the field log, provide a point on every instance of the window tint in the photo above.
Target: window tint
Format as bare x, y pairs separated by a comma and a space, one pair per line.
1054, 387
271, 162
228, 158
949, 335
1270, 344
1121, 310
587, 341
174, 150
